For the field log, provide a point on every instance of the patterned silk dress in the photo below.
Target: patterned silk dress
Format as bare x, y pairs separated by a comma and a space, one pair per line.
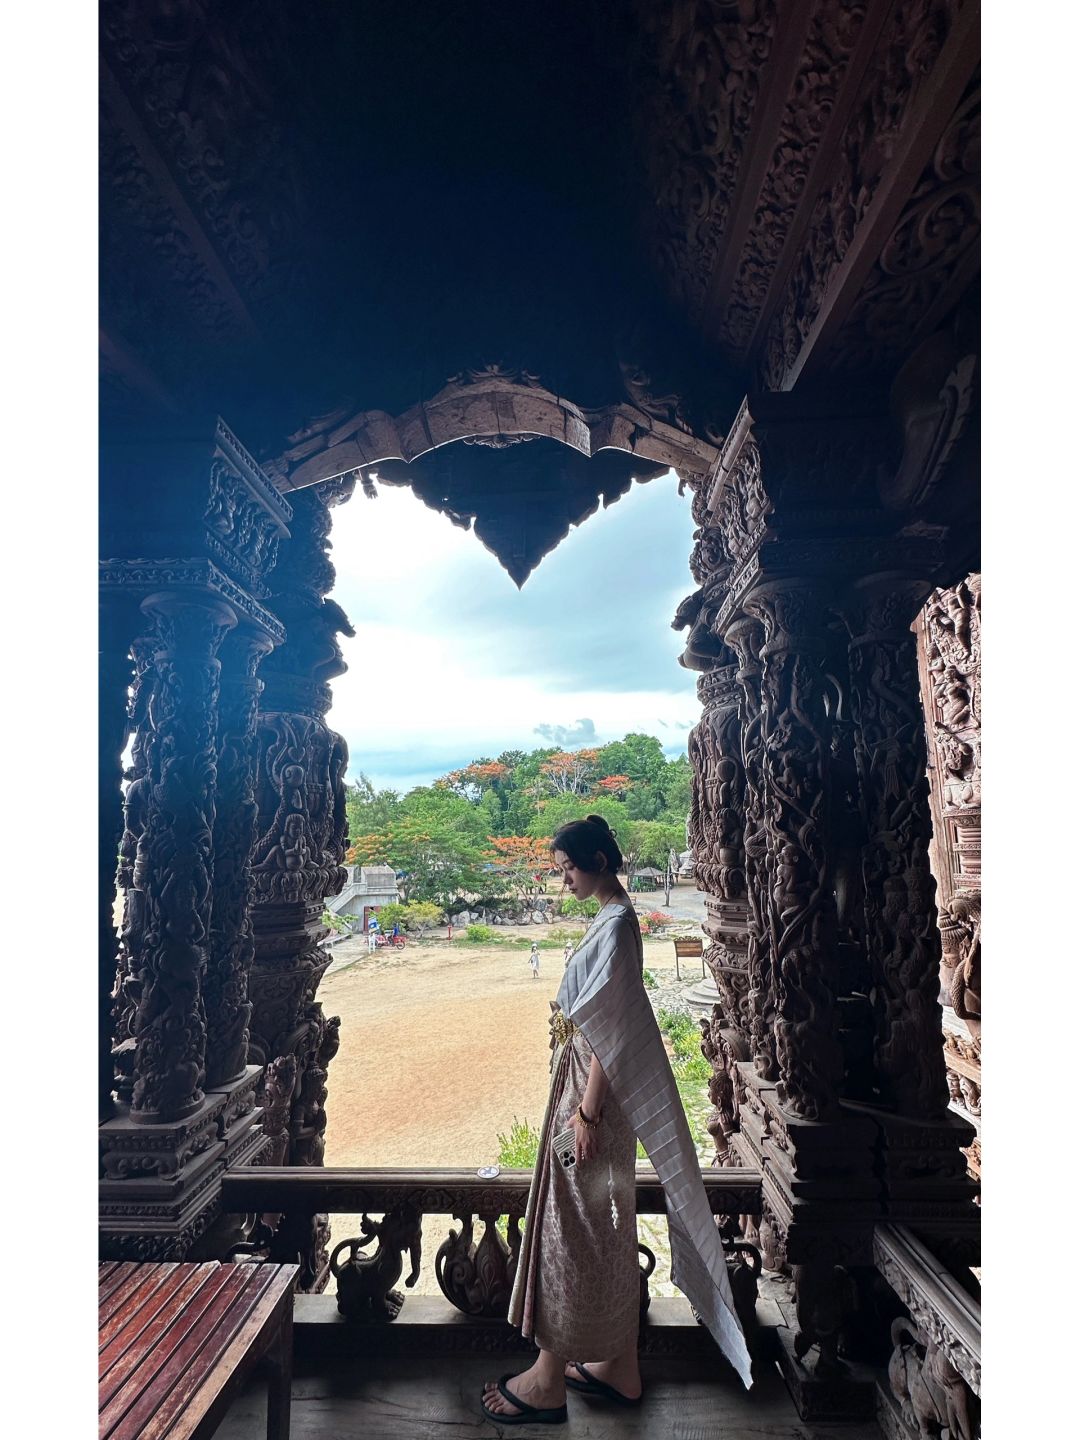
576, 1291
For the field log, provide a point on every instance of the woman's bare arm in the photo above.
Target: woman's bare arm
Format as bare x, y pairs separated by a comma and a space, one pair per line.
596, 1089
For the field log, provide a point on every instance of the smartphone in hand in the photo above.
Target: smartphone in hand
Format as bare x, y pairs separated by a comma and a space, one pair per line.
565, 1146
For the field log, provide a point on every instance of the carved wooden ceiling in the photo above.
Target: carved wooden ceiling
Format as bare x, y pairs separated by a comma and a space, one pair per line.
334, 208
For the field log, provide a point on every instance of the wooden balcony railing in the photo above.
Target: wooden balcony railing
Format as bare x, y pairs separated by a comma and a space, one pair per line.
935, 1371
291, 1205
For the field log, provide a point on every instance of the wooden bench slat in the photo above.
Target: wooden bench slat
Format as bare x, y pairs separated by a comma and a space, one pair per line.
120, 1274
189, 1363
138, 1368
129, 1322
199, 1387
121, 1307
105, 1268
128, 1287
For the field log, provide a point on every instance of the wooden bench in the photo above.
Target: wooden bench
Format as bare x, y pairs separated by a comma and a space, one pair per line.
689, 948
176, 1342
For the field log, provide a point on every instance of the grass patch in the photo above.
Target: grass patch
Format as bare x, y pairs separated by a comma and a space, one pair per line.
649, 980
690, 1068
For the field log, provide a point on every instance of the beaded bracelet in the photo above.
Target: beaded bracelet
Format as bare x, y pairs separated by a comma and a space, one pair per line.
589, 1124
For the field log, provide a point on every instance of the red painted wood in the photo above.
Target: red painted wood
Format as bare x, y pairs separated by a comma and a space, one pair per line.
122, 1275
126, 1301
241, 1331
180, 1338
127, 1326
137, 1369
189, 1362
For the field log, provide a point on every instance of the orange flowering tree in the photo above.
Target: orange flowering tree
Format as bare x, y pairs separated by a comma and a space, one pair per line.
520, 859
473, 780
614, 785
570, 772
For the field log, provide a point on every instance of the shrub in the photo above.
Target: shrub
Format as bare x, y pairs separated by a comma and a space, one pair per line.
393, 914
649, 979
482, 935
338, 923
572, 906
682, 1032
518, 1150
560, 934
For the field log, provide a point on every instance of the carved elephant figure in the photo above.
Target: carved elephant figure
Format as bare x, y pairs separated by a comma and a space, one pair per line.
933, 1397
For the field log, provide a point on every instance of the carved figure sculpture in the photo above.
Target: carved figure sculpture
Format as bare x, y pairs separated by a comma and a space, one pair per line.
933, 1397
477, 1279
366, 1282
824, 1295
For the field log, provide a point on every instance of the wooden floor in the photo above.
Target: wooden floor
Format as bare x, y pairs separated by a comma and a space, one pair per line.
410, 1399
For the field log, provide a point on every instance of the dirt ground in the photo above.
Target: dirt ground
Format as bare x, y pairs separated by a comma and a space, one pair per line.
441, 1047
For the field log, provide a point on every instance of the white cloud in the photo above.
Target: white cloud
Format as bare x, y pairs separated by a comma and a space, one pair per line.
450, 661
570, 737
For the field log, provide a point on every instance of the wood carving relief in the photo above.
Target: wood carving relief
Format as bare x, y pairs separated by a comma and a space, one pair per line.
301, 837
700, 82
903, 62
800, 903
830, 43
949, 632
902, 939
932, 246
747, 638
174, 859
232, 945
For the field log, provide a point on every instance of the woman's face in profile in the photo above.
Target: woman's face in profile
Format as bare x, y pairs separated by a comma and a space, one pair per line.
581, 883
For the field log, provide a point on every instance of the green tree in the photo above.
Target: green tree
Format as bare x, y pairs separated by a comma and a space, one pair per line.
369, 809
676, 788
639, 756
436, 841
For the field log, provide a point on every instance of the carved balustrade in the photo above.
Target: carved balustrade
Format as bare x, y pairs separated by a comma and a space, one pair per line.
475, 1276
934, 1376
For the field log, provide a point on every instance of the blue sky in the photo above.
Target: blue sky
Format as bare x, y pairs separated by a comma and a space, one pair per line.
452, 661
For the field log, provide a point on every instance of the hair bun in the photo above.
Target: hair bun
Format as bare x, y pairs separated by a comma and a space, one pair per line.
600, 823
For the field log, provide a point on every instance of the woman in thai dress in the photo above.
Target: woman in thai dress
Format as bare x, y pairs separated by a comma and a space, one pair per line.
576, 1289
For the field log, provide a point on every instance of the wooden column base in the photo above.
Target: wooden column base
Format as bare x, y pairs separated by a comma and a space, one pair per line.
848, 1393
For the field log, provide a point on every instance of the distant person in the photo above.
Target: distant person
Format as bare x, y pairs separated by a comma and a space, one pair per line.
567, 951
534, 960
372, 931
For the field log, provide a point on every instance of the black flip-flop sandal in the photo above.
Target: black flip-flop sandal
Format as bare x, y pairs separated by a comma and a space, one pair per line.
589, 1384
530, 1414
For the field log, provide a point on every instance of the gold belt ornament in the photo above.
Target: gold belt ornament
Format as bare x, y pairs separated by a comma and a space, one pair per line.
561, 1028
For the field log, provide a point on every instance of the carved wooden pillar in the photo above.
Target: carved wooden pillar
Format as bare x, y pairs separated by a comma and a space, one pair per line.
949, 632
903, 947
747, 637
716, 834
801, 904
118, 618
232, 947
137, 776
302, 834
174, 865
191, 525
